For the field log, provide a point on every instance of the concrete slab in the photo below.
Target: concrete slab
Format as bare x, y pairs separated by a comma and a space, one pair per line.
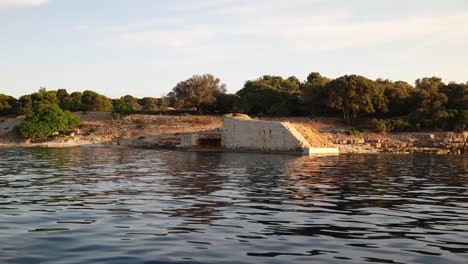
320, 151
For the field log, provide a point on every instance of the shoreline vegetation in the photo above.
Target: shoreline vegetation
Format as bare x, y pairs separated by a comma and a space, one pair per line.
357, 114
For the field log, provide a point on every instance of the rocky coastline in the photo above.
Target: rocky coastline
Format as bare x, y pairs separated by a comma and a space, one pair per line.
402, 143
145, 131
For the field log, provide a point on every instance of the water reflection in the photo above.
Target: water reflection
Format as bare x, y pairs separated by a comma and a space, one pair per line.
132, 206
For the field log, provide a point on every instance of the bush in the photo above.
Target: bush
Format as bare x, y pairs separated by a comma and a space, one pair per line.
91, 131
393, 124
380, 126
116, 116
46, 119
354, 132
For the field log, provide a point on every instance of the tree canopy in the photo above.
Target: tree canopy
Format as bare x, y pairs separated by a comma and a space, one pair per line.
270, 95
198, 92
354, 95
46, 117
429, 104
7, 104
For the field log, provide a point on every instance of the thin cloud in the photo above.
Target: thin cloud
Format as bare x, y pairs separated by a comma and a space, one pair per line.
4, 4
187, 5
307, 34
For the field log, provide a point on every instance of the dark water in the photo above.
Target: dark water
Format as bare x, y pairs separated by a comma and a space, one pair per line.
145, 206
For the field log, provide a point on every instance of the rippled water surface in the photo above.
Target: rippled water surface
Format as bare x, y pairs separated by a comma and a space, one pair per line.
91, 205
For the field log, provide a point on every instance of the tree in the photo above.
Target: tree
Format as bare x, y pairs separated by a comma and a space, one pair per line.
430, 110
270, 95
397, 95
457, 95
291, 85
8, 104
45, 119
25, 102
95, 102
72, 102
149, 104
429, 84
44, 97
28, 102
198, 92
354, 95
314, 94
227, 103
132, 102
61, 94
259, 101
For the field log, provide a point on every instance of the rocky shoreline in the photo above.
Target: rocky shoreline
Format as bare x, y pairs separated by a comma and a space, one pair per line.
144, 131
402, 143
397, 143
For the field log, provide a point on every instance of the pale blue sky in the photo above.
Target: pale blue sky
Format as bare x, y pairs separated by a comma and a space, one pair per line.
144, 47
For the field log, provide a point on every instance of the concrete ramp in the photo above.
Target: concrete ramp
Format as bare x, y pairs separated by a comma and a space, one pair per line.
241, 133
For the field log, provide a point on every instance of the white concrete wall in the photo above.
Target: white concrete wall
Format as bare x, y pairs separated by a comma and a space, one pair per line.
254, 135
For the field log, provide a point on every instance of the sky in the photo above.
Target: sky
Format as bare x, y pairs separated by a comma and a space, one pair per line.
145, 47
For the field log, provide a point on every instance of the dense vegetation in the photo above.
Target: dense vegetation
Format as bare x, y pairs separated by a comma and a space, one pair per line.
45, 117
394, 106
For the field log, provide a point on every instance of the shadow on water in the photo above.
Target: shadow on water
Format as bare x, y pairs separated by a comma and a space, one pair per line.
98, 205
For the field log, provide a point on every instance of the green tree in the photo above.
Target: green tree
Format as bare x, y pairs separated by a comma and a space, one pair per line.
44, 97
28, 102
354, 95
8, 105
45, 119
397, 95
198, 92
429, 83
457, 95
132, 102
314, 94
72, 102
95, 102
126, 105
149, 104
271, 95
227, 103
291, 85
25, 102
430, 109
62, 96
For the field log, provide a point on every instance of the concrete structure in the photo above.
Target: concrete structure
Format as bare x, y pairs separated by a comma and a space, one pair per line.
205, 139
241, 133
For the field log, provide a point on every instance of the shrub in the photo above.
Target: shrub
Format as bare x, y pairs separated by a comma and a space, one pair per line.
380, 125
46, 119
116, 116
354, 132
393, 124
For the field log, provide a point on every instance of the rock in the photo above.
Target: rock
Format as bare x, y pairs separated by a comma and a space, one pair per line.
359, 141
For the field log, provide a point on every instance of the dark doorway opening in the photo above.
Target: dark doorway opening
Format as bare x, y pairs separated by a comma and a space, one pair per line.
209, 142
